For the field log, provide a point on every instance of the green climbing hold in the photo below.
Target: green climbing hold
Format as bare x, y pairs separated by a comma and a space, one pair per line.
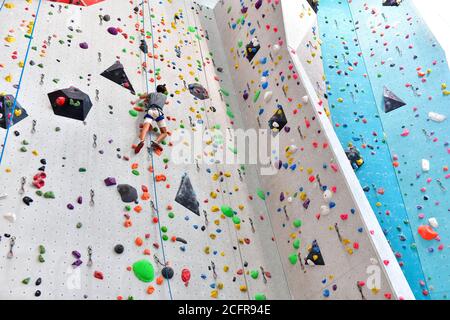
236, 220
227, 211
254, 274
82, 170
26, 280
41, 258
41, 249
39, 193
136, 173
296, 244
256, 97
293, 258
261, 194
133, 113
260, 297
144, 271
49, 195
297, 223
191, 29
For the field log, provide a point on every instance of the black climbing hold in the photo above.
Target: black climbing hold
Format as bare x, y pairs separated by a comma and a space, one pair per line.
38, 281
117, 74
315, 255
70, 103
198, 91
119, 249
278, 120
167, 273
186, 196
252, 49
37, 293
6, 108
391, 101
127, 193
143, 47
27, 200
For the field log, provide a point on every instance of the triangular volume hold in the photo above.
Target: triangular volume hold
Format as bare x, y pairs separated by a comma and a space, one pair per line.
186, 196
314, 257
392, 101
116, 74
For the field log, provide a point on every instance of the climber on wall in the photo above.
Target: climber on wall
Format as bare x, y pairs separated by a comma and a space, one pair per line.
154, 105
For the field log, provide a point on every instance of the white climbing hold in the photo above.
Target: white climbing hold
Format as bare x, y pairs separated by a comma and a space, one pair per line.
433, 222
327, 195
3, 196
425, 165
276, 48
11, 217
436, 117
305, 99
290, 200
325, 210
268, 96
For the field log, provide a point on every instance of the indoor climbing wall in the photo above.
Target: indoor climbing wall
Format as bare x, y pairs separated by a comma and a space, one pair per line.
323, 242
82, 215
387, 80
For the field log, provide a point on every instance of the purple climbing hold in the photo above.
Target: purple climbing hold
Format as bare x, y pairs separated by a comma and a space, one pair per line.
84, 45
77, 263
76, 254
80, 200
70, 206
113, 31
110, 182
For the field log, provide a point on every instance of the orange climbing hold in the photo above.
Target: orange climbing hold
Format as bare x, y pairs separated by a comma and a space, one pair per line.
139, 242
138, 209
427, 233
150, 290
161, 178
159, 280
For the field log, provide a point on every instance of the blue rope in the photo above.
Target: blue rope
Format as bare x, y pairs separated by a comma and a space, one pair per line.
152, 157
20, 82
3, 3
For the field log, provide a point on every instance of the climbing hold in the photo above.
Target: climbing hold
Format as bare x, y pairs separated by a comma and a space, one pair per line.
144, 271
167, 273
427, 233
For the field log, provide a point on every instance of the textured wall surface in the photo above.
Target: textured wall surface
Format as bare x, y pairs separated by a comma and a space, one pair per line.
250, 256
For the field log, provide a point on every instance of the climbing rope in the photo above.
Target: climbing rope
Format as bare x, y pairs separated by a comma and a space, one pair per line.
241, 257
265, 203
1, 6
20, 80
156, 205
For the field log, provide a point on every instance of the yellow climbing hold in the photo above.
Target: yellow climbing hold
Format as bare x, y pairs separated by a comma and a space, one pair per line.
10, 39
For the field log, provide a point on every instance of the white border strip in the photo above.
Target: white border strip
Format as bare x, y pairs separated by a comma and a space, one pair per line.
395, 276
